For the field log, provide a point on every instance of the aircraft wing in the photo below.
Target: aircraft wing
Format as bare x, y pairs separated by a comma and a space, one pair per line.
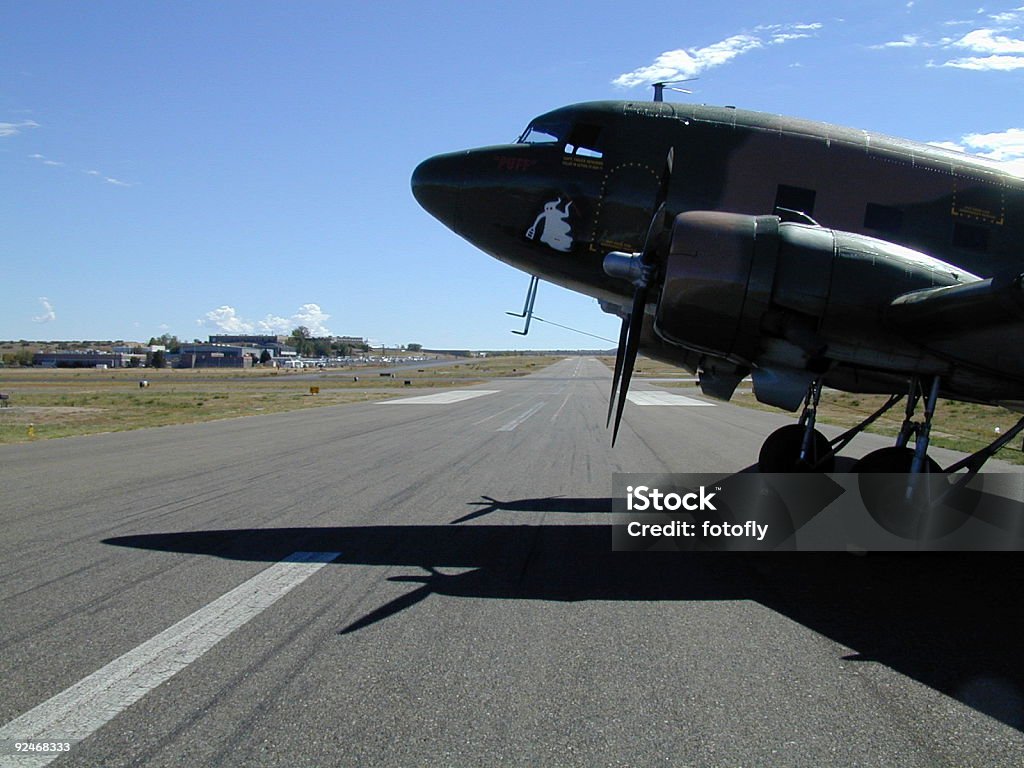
980, 323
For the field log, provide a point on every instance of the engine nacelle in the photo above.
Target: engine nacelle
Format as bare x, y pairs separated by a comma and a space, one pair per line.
726, 271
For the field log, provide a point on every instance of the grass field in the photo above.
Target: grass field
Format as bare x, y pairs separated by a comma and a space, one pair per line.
960, 426
48, 403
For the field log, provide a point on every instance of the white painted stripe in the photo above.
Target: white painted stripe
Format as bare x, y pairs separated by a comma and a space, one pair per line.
521, 418
663, 398
496, 414
566, 400
441, 398
86, 706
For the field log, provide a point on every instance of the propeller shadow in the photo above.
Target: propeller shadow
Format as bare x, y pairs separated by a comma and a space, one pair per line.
946, 620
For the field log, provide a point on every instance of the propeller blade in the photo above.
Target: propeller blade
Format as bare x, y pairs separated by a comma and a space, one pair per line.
629, 336
620, 352
657, 222
630, 348
666, 178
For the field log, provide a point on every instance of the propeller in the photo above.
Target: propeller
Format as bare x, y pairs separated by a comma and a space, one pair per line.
639, 269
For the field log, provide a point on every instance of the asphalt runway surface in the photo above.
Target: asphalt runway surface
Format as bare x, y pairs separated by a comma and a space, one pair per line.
432, 583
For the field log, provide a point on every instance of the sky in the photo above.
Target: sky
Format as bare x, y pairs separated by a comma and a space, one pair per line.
243, 167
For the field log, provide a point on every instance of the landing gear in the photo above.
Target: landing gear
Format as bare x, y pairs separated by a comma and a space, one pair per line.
906, 491
901, 486
802, 448
900, 458
799, 447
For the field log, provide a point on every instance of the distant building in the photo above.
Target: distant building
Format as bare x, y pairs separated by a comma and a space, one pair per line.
218, 355
253, 341
352, 341
88, 359
275, 345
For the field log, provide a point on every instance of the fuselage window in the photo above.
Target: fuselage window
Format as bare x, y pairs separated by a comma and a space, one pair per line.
883, 218
584, 139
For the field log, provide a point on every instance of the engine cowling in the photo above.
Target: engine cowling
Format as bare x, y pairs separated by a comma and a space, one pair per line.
726, 272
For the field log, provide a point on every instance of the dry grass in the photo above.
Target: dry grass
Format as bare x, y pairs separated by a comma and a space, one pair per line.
48, 403
959, 426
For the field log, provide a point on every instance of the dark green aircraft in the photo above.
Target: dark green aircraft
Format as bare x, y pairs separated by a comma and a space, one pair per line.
738, 244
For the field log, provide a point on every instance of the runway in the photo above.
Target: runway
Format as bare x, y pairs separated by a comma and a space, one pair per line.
429, 581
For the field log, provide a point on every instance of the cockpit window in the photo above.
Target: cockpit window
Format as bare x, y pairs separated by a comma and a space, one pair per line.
584, 139
537, 133
579, 139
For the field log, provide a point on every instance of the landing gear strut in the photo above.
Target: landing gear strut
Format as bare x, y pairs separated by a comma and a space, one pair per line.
802, 448
900, 458
799, 447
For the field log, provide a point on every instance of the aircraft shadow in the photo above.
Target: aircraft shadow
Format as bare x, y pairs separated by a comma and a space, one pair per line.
946, 620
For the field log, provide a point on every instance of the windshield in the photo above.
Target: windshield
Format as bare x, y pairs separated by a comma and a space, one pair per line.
542, 133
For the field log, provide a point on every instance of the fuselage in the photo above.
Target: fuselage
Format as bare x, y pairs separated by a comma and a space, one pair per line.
582, 180
597, 166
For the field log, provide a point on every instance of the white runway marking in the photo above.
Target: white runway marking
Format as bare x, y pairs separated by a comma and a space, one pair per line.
566, 400
663, 398
89, 704
441, 398
521, 418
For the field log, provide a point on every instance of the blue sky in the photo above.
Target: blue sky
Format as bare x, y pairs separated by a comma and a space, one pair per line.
197, 168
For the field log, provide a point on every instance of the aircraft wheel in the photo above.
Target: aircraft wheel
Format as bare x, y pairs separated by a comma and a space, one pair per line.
893, 460
780, 452
884, 477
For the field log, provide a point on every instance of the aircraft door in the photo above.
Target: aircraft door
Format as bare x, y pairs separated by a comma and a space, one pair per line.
626, 205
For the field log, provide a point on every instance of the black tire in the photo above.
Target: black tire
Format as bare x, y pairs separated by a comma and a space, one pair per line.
780, 452
884, 480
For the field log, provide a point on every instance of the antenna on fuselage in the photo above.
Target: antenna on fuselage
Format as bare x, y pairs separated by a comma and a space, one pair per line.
659, 88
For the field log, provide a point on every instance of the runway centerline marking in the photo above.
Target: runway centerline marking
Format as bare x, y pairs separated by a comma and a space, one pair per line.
521, 418
82, 709
441, 398
664, 398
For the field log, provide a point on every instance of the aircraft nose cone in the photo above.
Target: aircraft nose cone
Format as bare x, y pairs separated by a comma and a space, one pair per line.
437, 186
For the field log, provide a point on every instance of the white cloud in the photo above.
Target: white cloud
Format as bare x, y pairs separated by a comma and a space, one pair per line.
48, 315
227, 320
45, 160
951, 145
1008, 17
90, 172
989, 41
1005, 146
995, 42
999, 48
13, 129
907, 41
314, 318
987, 63
685, 63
